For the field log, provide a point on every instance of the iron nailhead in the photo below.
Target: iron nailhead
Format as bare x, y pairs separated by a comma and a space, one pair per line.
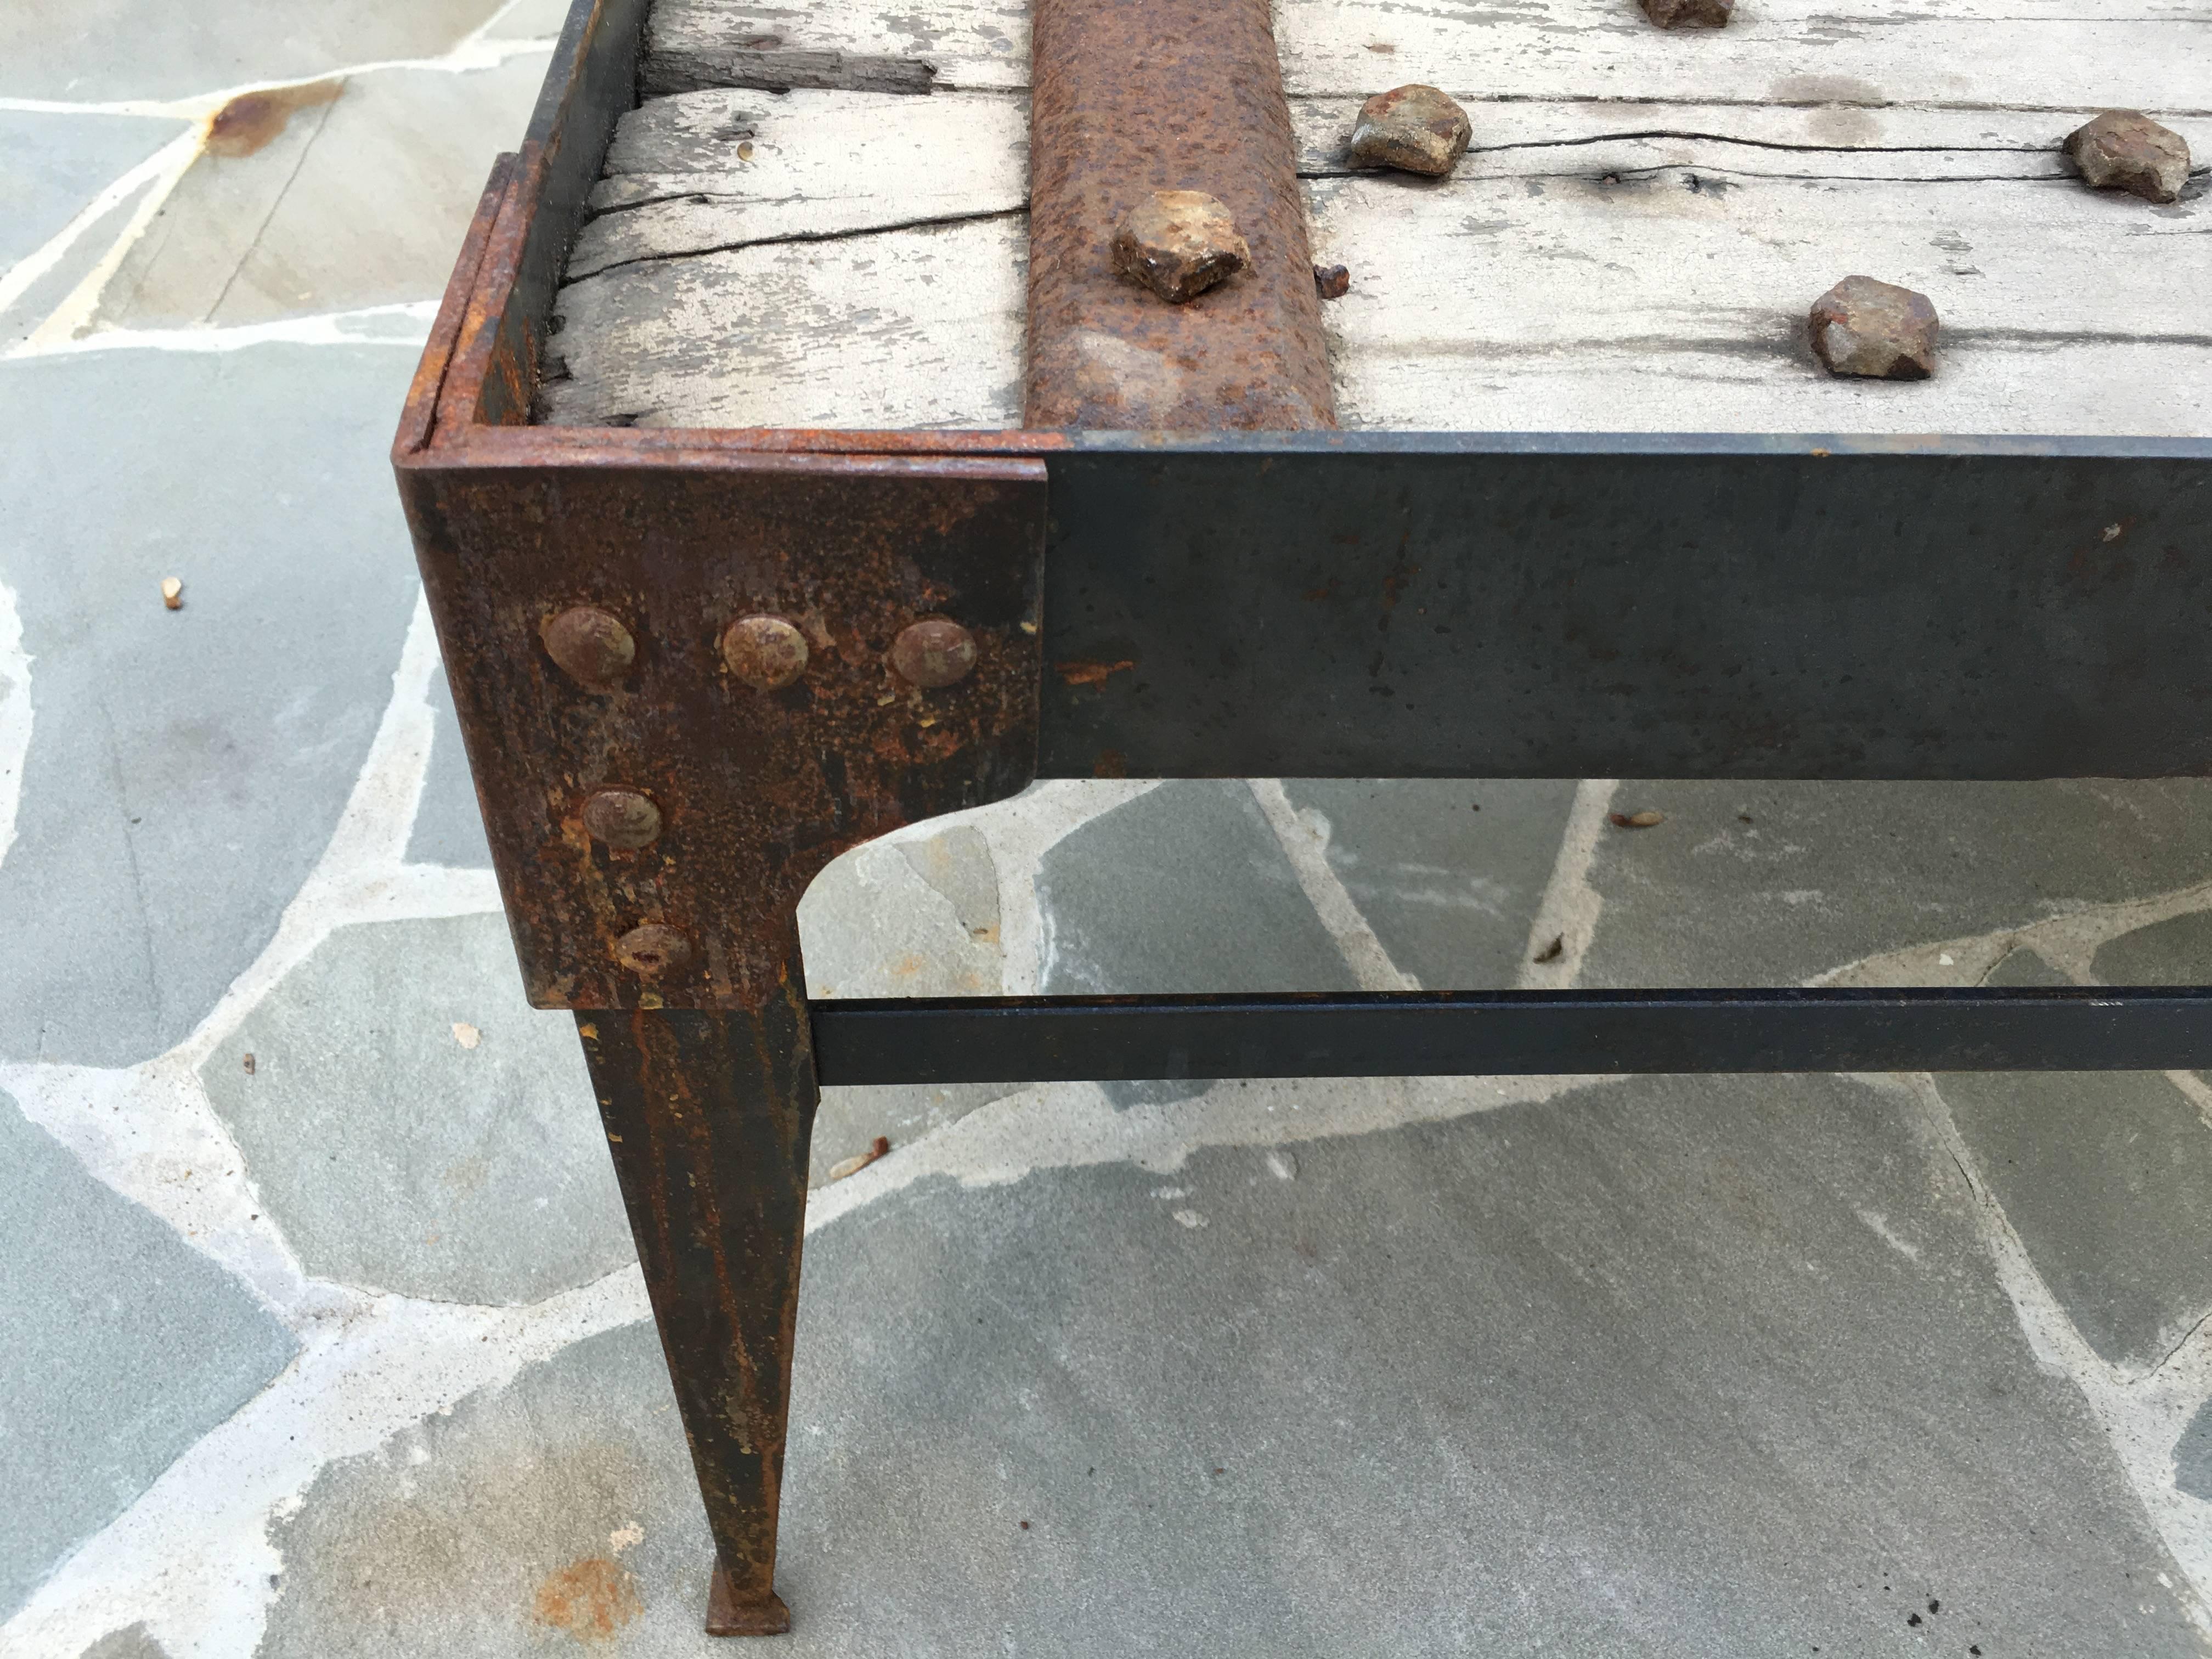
592, 646
933, 653
622, 818
652, 949
766, 652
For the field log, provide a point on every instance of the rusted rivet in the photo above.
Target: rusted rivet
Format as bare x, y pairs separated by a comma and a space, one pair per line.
624, 819
1414, 129
652, 949
1331, 282
1878, 330
2125, 149
1689, 14
934, 652
766, 652
1179, 243
593, 647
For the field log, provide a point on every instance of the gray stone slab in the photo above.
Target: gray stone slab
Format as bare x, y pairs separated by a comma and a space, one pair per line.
2176, 952
2192, 1456
530, 19
1184, 888
448, 823
1633, 1371
100, 51
46, 293
396, 1157
53, 163
120, 1345
917, 918
1449, 874
2024, 966
1826, 873
131, 1642
526, 1521
187, 766
358, 201
2106, 1176
849, 1120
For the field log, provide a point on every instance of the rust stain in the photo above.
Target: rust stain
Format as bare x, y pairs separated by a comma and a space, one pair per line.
589, 1598
1174, 94
250, 120
1090, 673
1110, 763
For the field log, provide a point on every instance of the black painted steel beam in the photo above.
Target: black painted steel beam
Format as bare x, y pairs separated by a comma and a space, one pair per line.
1496, 1033
1391, 605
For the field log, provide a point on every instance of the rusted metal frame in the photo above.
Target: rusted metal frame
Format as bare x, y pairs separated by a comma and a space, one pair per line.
756, 787
1166, 94
700, 1053
681, 951
708, 1114
418, 416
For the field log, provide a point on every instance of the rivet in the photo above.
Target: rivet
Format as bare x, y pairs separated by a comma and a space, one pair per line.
934, 652
2125, 149
766, 652
1861, 326
652, 949
593, 647
622, 818
1689, 14
1415, 129
1179, 243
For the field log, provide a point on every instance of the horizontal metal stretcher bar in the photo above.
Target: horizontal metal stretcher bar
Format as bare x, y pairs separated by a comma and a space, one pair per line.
1499, 1033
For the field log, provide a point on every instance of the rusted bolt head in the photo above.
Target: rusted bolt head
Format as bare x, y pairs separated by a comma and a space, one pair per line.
766, 652
1179, 243
592, 646
934, 652
652, 949
622, 818
1414, 129
1689, 14
2125, 149
1331, 282
1861, 326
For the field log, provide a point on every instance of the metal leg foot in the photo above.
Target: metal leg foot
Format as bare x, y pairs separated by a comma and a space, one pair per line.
728, 1614
708, 1115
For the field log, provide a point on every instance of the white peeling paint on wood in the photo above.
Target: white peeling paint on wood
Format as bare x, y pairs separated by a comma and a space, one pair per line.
911, 328
2051, 54
1676, 301
1632, 242
1828, 141
969, 43
814, 164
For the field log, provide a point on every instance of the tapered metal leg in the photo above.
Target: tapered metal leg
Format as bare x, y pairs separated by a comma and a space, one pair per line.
708, 1115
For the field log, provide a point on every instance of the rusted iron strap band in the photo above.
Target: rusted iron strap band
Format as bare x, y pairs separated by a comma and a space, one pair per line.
1133, 96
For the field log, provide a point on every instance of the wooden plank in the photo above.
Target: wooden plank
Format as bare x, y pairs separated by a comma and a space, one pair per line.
1675, 299
1590, 267
849, 44
831, 163
815, 163
726, 168
2047, 54
908, 328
